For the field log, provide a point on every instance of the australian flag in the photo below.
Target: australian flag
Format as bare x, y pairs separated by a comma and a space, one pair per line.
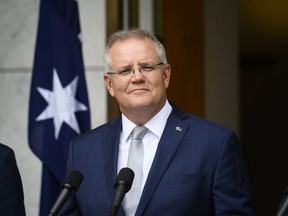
59, 108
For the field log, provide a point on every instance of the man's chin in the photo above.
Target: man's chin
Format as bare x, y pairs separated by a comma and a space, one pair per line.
141, 105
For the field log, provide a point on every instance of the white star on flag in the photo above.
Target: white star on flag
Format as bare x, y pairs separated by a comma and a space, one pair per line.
62, 104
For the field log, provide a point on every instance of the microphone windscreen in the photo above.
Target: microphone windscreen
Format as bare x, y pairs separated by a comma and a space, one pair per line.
125, 176
73, 180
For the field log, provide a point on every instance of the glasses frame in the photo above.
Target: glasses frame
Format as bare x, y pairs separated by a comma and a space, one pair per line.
152, 67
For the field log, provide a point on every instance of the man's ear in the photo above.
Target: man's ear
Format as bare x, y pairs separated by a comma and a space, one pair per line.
167, 74
108, 84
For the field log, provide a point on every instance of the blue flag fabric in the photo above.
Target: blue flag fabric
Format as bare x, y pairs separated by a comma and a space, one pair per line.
59, 108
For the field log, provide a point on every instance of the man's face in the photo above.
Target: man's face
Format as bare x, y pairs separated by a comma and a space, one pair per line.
137, 91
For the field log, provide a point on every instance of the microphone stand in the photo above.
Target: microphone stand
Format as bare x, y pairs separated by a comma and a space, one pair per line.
113, 210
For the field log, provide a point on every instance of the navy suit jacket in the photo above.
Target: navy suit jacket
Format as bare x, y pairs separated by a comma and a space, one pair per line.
11, 190
197, 170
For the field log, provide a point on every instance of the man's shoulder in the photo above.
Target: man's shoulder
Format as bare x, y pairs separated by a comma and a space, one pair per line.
103, 130
197, 121
4, 150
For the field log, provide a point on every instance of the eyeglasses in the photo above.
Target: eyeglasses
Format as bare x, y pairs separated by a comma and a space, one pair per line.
144, 69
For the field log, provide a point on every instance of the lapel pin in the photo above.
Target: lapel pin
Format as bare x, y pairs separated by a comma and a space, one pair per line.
178, 128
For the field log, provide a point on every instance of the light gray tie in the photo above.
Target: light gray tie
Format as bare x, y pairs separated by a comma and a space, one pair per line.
135, 162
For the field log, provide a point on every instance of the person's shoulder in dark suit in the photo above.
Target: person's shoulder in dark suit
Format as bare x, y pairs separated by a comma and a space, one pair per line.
11, 189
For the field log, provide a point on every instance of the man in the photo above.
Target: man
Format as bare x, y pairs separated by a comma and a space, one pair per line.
190, 166
11, 190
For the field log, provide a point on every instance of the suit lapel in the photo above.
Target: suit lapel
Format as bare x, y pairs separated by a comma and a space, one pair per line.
172, 136
110, 150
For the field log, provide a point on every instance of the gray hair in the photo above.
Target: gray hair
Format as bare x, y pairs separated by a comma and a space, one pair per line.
141, 34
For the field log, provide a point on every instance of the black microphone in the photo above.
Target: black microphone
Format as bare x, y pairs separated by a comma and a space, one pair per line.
69, 186
123, 184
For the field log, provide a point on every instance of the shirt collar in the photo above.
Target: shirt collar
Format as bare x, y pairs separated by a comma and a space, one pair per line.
156, 125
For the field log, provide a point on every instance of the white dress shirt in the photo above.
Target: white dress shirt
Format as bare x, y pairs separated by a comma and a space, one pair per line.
150, 141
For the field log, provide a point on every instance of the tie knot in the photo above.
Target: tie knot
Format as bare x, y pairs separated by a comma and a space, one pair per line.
139, 132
